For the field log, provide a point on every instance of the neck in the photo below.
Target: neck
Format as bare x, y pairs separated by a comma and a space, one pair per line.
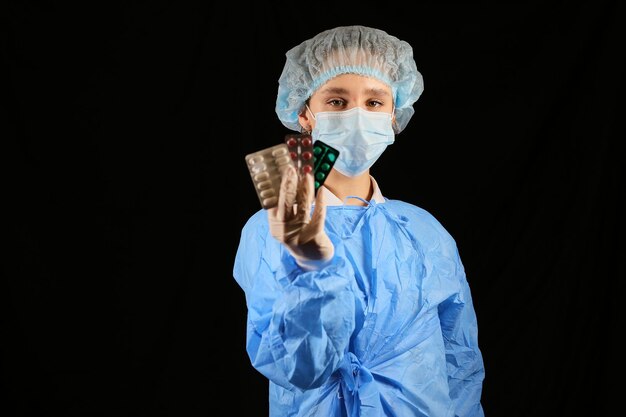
343, 186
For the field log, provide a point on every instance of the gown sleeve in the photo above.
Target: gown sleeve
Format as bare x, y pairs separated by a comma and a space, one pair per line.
299, 323
460, 332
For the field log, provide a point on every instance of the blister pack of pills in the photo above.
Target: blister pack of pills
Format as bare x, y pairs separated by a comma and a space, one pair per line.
308, 156
301, 151
266, 167
324, 157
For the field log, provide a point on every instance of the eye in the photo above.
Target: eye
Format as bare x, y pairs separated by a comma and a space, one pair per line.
336, 102
375, 103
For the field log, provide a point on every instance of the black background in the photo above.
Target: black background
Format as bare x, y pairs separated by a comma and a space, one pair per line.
124, 188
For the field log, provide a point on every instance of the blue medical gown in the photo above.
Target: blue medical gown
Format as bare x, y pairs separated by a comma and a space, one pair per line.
386, 329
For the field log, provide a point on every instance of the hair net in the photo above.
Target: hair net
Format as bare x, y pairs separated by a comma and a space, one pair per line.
348, 49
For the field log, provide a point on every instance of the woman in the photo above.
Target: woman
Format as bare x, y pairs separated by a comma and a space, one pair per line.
358, 305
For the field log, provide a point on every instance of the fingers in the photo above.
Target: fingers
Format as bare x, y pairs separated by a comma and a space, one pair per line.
306, 192
287, 194
319, 214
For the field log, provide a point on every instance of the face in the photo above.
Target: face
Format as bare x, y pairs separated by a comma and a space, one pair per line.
345, 92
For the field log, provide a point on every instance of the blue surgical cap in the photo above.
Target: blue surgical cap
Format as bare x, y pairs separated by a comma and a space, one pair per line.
348, 49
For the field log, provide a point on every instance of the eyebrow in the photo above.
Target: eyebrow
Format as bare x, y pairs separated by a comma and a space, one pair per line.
340, 90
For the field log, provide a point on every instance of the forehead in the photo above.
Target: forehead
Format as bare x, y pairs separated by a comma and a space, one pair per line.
354, 84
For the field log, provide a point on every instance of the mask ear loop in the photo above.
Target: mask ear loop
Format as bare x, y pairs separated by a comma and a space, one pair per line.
312, 115
303, 129
394, 125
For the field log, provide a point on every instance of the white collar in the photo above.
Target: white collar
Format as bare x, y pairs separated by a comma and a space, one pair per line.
332, 200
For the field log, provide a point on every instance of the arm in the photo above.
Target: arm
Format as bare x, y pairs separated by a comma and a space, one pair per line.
464, 359
299, 322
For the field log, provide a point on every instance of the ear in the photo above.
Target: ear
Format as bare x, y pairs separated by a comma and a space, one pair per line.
394, 123
304, 119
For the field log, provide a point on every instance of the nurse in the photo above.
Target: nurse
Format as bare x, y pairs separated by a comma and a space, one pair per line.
358, 304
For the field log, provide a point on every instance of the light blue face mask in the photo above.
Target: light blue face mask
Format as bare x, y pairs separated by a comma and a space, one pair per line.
359, 135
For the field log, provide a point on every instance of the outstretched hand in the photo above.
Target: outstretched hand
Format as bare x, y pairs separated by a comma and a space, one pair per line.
292, 224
